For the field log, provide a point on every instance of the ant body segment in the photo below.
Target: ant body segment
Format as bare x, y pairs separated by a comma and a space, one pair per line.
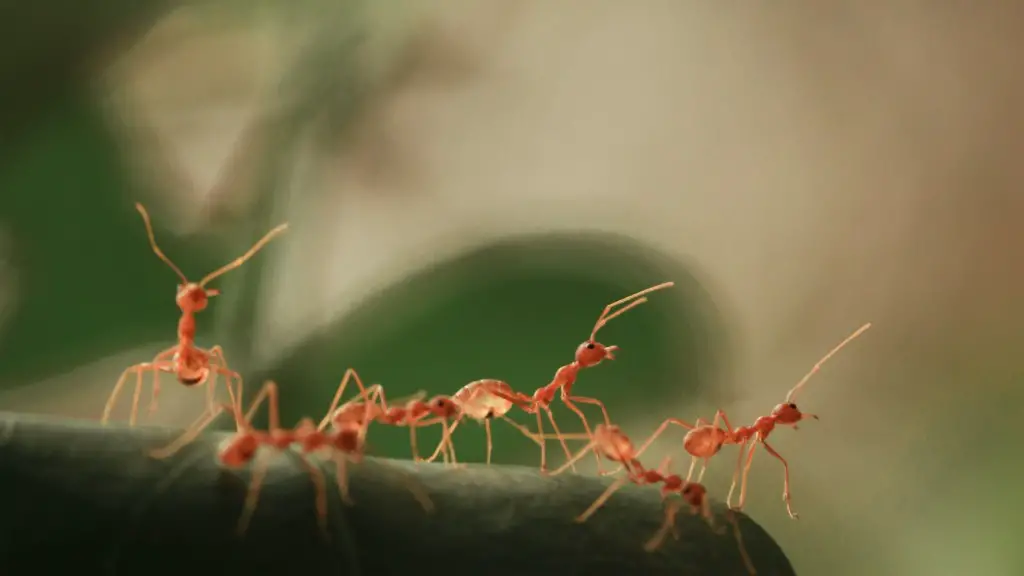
588, 354
192, 365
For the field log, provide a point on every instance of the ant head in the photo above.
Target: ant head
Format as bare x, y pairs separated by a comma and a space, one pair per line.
694, 493
592, 352
789, 414
443, 406
193, 298
240, 450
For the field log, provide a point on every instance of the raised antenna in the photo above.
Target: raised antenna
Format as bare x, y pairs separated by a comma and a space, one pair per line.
800, 384
152, 243
241, 259
634, 301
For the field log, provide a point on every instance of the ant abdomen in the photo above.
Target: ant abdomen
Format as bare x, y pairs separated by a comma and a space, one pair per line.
703, 441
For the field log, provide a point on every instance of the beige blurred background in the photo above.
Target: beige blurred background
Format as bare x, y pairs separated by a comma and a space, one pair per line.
817, 166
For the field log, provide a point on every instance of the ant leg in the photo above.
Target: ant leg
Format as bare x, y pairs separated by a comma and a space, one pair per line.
525, 431
693, 464
574, 459
490, 442
703, 469
136, 395
736, 473
746, 471
543, 445
320, 485
785, 491
236, 393
738, 535
650, 439
561, 439
162, 358
341, 474
108, 408
668, 525
189, 434
661, 430
612, 489
267, 393
568, 401
259, 472
350, 374
595, 402
447, 433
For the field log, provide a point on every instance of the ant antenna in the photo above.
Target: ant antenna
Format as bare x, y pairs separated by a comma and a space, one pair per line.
800, 384
241, 259
634, 301
152, 243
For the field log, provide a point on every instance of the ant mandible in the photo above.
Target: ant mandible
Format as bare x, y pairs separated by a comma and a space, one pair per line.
588, 354
190, 364
703, 441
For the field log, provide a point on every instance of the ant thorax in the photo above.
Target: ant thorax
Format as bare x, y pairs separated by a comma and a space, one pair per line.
191, 366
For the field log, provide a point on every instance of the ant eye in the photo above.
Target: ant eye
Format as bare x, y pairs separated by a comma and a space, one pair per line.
792, 406
590, 346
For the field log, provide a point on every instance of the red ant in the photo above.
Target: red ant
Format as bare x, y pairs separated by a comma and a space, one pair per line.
588, 354
483, 401
190, 364
346, 440
703, 440
474, 400
612, 443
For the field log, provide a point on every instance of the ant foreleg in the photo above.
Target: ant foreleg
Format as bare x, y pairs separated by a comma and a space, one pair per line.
785, 490
341, 476
443, 445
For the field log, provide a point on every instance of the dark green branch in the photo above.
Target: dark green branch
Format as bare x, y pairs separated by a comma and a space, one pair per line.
75, 492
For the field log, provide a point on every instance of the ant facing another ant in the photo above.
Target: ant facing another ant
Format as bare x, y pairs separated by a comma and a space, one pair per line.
192, 365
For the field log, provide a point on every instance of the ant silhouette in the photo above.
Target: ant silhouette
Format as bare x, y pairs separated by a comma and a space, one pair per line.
190, 364
703, 440
588, 354
483, 401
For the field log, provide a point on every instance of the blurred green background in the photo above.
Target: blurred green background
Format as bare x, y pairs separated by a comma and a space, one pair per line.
468, 184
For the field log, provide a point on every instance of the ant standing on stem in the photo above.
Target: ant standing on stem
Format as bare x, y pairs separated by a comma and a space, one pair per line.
190, 364
704, 441
588, 354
